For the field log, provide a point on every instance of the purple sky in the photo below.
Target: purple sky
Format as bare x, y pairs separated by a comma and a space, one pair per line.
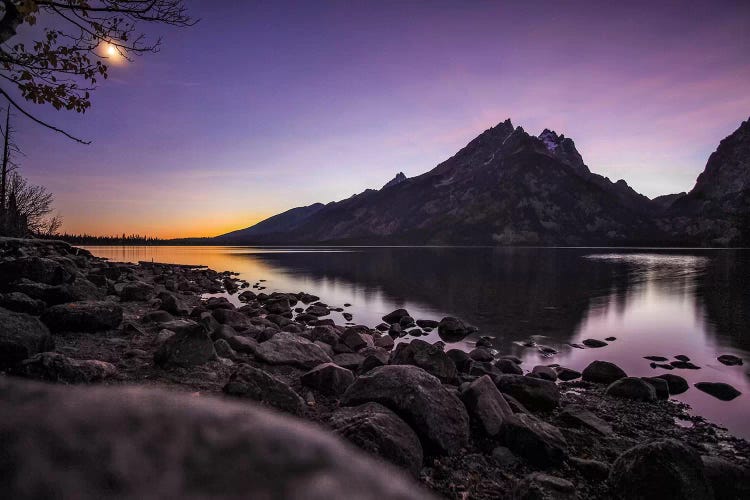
264, 106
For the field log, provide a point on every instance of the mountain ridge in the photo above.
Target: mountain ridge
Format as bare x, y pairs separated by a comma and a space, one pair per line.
507, 187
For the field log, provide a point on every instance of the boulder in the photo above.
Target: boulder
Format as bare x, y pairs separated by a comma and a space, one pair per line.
730, 360
290, 349
452, 329
326, 333
233, 318
632, 388
664, 469
21, 336
461, 359
212, 303
593, 470
578, 416
328, 378
83, 316
481, 354
136, 442
395, 316
374, 357
278, 306
157, 317
508, 366
384, 342
719, 390
348, 360
486, 406
379, 431
181, 325
427, 356
187, 347
427, 323
437, 415
541, 486
136, 291
540, 443
535, 394
676, 384
728, 480
224, 350
172, 304
243, 344
22, 303
602, 372
545, 372
37, 269
357, 338
55, 367
566, 374
253, 383
660, 386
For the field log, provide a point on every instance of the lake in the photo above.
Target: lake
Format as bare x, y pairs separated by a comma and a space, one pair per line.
654, 301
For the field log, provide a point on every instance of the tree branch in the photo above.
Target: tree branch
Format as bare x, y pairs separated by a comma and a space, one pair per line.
40, 122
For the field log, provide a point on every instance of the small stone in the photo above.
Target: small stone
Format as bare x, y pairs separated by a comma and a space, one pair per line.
684, 365
594, 343
656, 358
730, 360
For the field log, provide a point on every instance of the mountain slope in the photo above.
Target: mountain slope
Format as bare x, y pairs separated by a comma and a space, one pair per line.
504, 187
278, 224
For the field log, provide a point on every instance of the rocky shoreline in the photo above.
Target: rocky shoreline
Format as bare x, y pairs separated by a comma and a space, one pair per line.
196, 378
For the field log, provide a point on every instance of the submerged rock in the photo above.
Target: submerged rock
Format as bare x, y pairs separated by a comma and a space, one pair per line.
730, 360
175, 446
594, 343
437, 416
665, 469
379, 431
719, 390
452, 329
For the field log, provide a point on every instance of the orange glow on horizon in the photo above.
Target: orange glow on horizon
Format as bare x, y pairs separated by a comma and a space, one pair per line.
190, 228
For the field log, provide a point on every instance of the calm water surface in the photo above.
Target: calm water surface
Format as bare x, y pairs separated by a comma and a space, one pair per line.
656, 302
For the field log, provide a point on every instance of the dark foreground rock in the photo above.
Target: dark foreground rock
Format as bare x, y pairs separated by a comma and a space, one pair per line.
728, 480
21, 336
290, 349
436, 415
486, 406
328, 378
602, 372
188, 347
665, 469
55, 367
540, 443
91, 316
541, 486
534, 393
632, 388
253, 383
146, 443
675, 383
379, 431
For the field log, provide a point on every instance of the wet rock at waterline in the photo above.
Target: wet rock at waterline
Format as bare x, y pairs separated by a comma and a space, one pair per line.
719, 390
632, 388
676, 384
730, 360
602, 372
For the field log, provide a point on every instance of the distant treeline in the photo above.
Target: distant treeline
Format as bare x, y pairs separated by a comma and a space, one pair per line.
123, 239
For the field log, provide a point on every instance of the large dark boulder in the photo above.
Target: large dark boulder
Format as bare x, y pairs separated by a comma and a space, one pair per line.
20, 302
187, 347
328, 378
437, 415
632, 388
395, 316
21, 336
508, 366
660, 386
603, 372
55, 367
542, 444
430, 358
379, 431
37, 269
83, 316
253, 383
665, 469
136, 291
116, 442
728, 480
486, 406
676, 384
290, 349
534, 393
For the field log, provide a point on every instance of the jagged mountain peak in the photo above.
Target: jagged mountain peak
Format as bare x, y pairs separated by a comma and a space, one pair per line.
400, 177
728, 168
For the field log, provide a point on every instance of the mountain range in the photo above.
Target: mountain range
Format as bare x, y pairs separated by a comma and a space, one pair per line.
507, 187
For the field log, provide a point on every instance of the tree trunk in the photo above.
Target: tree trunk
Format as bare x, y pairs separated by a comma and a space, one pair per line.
4, 173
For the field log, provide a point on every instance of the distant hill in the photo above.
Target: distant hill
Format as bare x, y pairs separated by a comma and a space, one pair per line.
507, 187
